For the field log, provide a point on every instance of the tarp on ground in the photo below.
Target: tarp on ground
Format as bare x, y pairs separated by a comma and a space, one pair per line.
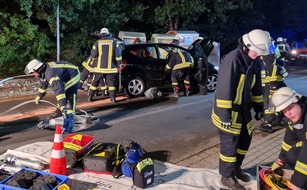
167, 176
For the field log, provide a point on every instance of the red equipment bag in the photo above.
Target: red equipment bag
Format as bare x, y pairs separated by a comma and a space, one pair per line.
75, 145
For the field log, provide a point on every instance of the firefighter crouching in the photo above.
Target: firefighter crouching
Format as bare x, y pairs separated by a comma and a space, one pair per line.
63, 77
294, 146
273, 74
108, 55
180, 64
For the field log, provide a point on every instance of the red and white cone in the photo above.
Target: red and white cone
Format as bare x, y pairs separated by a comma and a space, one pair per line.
58, 159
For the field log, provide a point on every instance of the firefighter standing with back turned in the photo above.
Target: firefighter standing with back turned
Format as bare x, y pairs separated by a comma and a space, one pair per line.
238, 90
294, 146
108, 54
180, 63
63, 77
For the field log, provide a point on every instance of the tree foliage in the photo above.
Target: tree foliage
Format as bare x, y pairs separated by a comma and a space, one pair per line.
28, 27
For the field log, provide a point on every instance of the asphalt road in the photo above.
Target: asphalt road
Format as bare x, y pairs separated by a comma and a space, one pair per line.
170, 129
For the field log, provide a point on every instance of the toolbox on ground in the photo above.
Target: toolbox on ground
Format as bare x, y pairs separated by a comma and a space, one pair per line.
31, 179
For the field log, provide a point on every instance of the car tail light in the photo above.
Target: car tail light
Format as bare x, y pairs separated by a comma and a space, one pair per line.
293, 52
124, 64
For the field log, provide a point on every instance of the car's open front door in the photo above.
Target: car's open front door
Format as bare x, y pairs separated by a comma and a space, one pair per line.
202, 49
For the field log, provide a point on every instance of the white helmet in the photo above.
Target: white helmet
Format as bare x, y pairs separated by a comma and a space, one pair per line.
279, 39
104, 31
283, 97
258, 41
33, 66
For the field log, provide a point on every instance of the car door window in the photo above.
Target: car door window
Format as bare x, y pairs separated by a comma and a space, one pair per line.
145, 52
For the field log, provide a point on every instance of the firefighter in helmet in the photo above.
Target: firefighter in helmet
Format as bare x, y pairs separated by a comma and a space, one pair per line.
238, 91
63, 77
294, 146
283, 49
273, 74
180, 64
107, 53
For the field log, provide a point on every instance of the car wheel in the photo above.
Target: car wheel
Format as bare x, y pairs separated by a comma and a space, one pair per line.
212, 80
135, 86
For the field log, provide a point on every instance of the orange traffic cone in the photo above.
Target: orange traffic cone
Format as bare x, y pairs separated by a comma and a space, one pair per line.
58, 159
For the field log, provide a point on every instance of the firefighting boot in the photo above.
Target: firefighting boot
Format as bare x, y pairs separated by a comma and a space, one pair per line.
245, 177
232, 183
91, 94
80, 86
187, 92
112, 96
175, 94
266, 127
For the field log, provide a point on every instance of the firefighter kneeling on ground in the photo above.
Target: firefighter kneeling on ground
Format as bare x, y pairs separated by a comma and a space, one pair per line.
294, 146
63, 77
180, 63
273, 74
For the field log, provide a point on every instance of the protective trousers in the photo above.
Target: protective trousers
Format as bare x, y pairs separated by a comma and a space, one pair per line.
71, 100
110, 81
233, 149
84, 75
179, 75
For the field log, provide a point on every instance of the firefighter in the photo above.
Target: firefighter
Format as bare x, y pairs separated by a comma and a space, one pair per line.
87, 72
63, 77
283, 49
180, 64
294, 145
238, 90
107, 53
273, 74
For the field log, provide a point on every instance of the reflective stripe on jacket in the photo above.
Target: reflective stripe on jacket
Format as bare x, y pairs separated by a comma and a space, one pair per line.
60, 76
296, 136
180, 60
238, 90
108, 55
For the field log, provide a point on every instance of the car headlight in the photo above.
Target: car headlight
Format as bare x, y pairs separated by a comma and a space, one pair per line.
216, 67
293, 52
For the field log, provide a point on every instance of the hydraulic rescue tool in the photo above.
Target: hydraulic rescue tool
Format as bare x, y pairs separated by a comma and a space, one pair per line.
81, 122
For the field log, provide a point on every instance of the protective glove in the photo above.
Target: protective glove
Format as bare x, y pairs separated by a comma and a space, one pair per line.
277, 165
226, 125
258, 115
68, 123
37, 99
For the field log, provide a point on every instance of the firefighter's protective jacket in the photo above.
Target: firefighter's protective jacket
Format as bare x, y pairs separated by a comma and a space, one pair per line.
238, 90
273, 70
60, 76
89, 63
108, 55
296, 136
180, 60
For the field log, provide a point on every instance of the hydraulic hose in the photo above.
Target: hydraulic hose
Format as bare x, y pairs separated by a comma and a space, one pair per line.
33, 101
24, 103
